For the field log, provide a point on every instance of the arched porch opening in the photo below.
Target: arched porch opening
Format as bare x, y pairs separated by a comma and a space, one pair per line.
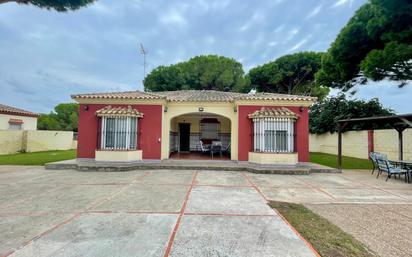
200, 136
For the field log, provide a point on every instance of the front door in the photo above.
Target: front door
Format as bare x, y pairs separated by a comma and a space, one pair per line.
184, 131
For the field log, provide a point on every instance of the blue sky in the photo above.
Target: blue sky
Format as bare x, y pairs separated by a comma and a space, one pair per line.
45, 56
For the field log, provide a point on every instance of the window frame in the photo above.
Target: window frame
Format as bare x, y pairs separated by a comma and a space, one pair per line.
123, 133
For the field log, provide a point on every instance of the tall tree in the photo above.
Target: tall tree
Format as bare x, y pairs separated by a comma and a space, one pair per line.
58, 5
290, 74
64, 117
324, 114
201, 72
375, 44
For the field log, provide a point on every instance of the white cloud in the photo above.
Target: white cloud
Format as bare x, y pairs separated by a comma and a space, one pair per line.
273, 43
314, 12
342, 3
300, 43
173, 17
256, 18
291, 34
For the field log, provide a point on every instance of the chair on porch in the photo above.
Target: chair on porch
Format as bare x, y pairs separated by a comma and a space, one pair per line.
201, 148
226, 150
216, 147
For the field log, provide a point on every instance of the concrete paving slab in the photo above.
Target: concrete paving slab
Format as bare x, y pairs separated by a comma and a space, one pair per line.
329, 181
237, 236
221, 178
65, 199
366, 195
147, 198
16, 230
106, 235
241, 200
168, 177
296, 195
274, 180
79, 177
15, 193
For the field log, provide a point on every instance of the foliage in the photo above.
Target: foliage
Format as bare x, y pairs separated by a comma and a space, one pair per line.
209, 72
37, 158
375, 44
324, 114
59, 5
290, 74
64, 117
331, 160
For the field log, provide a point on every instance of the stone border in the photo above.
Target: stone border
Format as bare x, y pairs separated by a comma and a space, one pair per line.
253, 168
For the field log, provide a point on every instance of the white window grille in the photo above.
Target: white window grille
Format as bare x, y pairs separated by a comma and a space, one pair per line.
272, 134
118, 133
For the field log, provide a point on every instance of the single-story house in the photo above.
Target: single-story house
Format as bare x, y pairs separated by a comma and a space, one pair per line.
12, 118
264, 128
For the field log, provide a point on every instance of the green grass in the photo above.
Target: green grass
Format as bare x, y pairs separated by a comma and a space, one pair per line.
38, 158
328, 239
331, 160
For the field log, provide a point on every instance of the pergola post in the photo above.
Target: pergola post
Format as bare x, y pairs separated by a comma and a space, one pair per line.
400, 143
341, 126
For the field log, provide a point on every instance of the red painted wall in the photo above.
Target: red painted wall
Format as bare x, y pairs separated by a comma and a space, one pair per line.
150, 130
371, 144
246, 130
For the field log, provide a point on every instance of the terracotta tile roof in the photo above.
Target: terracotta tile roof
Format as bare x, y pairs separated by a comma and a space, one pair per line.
118, 95
5, 109
199, 96
128, 111
274, 96
193, 96
273, 113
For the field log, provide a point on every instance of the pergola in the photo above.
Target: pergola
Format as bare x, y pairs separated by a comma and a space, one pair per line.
397, 122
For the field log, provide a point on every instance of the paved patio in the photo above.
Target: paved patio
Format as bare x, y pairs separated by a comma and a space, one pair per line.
139, 213
175, 213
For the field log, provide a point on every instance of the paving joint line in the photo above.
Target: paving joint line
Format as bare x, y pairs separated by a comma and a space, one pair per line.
283, 218
179, 218
378, 188
94, 204
317, 189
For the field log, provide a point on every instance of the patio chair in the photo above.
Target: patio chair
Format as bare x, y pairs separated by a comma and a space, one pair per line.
373, 156
385, 165
227, 150
216, 148
201, 148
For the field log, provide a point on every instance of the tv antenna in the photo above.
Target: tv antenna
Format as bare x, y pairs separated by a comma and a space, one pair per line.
143, 52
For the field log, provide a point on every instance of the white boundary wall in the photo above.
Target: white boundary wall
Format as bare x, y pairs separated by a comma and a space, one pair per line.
35, 141
355, 143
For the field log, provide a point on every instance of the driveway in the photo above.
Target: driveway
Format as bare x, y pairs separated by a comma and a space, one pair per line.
142, 213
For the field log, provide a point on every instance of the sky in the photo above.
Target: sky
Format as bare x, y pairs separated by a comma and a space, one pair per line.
46, 56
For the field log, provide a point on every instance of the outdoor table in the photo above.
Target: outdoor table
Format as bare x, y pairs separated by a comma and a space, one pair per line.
407, 165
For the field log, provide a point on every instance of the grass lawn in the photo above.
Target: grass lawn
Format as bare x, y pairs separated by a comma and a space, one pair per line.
331, 160
328, 239
38, 158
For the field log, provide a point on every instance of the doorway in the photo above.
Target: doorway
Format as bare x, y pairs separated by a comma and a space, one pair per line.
184, 141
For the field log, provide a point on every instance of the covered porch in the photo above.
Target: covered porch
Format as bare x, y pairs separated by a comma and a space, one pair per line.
200, 136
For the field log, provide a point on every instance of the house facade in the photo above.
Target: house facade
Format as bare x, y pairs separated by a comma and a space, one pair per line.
12, 118
262, 128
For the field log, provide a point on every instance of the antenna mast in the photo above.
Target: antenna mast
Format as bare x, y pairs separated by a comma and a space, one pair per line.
143, 52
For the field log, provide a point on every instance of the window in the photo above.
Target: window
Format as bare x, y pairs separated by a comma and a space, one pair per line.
210, 130
15, 126
119, 133
273, 135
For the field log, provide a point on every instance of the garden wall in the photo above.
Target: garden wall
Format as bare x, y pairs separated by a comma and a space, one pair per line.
35, 141
356, 143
